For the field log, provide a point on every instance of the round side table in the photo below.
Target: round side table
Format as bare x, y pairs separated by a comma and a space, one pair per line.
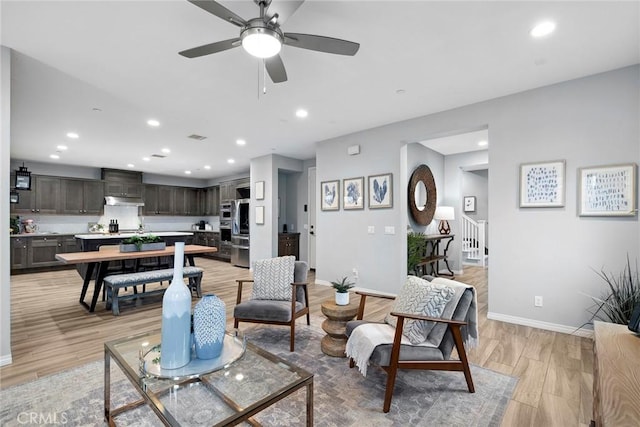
334, 343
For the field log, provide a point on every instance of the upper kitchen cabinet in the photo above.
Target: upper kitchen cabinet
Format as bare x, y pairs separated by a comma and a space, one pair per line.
227, 191
187, 201
158, 200
121, 183
44, 197
81, 197
211, 201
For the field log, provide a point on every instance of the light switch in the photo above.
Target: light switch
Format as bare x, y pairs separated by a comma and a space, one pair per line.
389, 229
371, 229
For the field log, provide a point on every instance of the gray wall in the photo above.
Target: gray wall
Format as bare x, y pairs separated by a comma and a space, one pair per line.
476, 184
5, 134
549, 252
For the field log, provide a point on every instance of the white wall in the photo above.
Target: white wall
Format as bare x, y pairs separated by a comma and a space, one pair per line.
549, 252
5, 250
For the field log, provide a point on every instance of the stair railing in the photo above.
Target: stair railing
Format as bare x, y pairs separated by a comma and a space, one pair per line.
474, 239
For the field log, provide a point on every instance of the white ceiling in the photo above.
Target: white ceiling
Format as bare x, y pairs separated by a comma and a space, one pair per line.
122, 57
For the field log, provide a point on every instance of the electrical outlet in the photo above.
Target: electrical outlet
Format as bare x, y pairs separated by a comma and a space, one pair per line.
371, 229
537, 301
355, 274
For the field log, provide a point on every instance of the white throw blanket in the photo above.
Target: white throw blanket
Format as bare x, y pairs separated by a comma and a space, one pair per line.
365, 338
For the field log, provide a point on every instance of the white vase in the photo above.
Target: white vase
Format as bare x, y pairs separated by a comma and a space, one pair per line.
342, 298
176, 318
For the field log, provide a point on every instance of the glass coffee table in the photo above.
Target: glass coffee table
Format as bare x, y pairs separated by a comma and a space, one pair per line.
231, 394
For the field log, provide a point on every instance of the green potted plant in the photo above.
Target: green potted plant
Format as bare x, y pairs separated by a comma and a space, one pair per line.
342, 291
416, 246
142, 243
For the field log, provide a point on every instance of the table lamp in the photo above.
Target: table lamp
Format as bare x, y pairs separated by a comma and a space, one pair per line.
444, 214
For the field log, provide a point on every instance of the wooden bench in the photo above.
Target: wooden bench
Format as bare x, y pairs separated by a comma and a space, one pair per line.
114, 283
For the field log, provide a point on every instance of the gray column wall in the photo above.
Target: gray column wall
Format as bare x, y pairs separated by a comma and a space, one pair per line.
5, 249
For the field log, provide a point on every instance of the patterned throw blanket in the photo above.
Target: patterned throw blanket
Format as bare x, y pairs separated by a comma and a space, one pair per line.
365, 338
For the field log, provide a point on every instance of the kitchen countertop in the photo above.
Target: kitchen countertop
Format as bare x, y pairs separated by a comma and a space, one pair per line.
206, 231
90, 236
41, 234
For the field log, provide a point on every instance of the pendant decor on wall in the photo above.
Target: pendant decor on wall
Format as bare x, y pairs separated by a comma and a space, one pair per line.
422, 195
176, 318
209, 323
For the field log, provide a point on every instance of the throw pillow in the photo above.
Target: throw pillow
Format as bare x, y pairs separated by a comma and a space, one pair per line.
419, 296
273, 278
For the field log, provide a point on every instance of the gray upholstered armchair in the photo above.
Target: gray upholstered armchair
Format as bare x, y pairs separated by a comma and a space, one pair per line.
279, 295
407, 340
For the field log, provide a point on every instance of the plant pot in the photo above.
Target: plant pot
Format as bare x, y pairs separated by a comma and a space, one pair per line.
158, 246
342, 298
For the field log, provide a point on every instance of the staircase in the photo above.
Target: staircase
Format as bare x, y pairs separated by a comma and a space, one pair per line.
474, 238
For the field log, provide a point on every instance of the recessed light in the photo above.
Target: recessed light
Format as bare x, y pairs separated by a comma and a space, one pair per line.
400, 91
153, 122
73, 135
230, 161
187, 172
54, 156
302, 113
131, 165
62, 147
207, 167
166, 150
241, 142
543, 29
146, 159
483, 143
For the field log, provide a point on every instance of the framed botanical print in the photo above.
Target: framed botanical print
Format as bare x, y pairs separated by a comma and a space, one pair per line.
353, 190
260, 215
607, 190
381, 191
330, 195
260, 190
469, 204
542, 184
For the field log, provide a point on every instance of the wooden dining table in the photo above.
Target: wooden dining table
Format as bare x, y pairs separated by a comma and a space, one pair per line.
101, 260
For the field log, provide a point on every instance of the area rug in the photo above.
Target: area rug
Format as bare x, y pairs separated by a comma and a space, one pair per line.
342, 396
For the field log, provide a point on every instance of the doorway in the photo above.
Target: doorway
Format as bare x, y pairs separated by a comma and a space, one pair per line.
311, 229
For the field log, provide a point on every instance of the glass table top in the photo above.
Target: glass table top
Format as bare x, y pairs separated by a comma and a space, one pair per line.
253, 382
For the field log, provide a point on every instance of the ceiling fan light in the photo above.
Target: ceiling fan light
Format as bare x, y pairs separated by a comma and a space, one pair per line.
261, 42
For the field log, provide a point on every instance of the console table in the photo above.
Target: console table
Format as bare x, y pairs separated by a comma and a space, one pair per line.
430, 264
616, 376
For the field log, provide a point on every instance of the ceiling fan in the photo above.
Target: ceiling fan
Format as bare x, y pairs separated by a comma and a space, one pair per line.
263, 38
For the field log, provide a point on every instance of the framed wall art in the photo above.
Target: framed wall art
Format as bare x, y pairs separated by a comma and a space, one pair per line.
542, 184
330, 195
259, 215
353, 190
469, 204
260, 190
380, 191
607, 190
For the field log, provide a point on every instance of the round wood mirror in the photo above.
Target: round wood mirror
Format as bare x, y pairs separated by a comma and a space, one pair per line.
422, 195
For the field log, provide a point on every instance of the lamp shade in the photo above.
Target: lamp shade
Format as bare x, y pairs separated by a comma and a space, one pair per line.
261, 42
444, 213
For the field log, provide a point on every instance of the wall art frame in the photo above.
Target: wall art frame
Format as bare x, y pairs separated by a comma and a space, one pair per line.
608, 190
353, 193
542, 184
14, 197
380, 191
330, 195
469, 204
260, 215
260, 190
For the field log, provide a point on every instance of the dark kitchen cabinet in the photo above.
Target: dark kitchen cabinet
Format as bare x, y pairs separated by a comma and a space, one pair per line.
186, 201
43, 251
19, 252
227, 191
158, 200
43, 198
211, 201
289, 244
123, 189
81, 197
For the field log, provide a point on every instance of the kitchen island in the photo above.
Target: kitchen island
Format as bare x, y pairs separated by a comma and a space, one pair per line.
93, 241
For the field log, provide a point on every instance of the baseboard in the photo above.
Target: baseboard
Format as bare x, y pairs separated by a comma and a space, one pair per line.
6, 360
570, 330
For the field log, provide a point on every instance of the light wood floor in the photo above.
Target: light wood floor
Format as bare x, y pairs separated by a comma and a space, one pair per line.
52, 332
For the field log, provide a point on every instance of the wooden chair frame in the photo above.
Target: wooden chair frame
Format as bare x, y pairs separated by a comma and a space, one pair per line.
395, 363
294, 315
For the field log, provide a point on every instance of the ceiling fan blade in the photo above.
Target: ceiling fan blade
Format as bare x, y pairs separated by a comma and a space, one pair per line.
284, 9
220, 11
210, 48
321, 43
276, 70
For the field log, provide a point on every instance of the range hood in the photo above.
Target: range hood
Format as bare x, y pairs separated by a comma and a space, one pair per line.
123, 201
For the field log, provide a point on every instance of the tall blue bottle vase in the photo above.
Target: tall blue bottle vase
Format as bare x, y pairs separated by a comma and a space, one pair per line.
176, 318
209, 323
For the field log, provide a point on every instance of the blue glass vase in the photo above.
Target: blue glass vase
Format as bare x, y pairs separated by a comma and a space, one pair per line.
209, 325
176, 318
